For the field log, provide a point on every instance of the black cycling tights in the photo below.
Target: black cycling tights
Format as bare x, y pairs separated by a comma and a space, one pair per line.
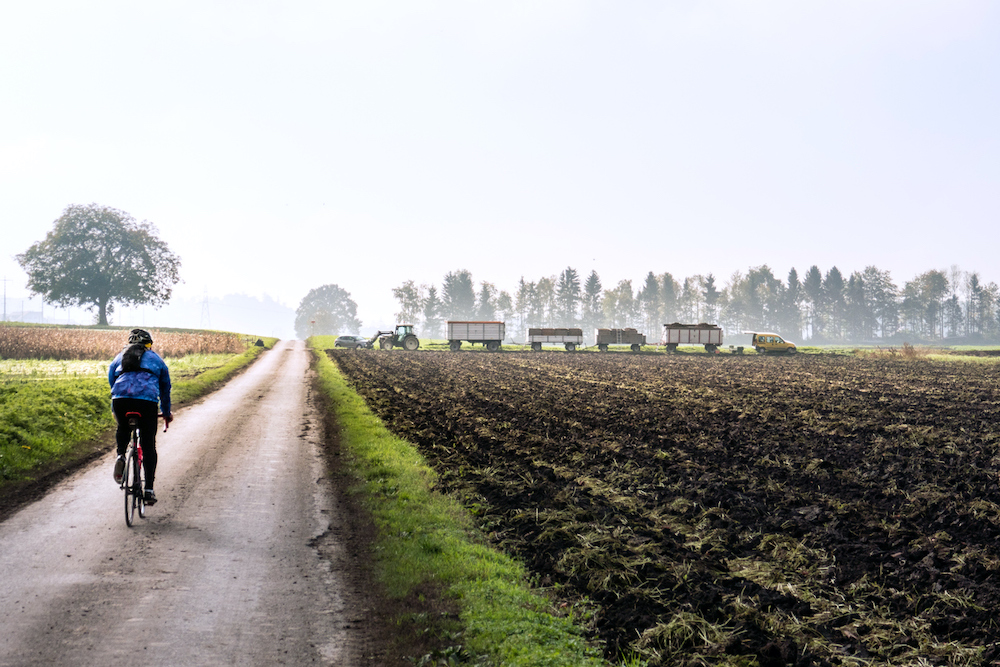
147, 431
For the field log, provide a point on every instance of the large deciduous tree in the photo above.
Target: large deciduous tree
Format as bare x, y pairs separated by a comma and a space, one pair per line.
326, 310
96, 256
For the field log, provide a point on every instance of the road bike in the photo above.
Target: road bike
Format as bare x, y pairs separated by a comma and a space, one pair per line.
133, 482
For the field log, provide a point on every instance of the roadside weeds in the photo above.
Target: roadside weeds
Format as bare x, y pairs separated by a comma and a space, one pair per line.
473, 603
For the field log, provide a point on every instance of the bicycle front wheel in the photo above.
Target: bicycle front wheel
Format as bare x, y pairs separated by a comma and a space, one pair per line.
133, 486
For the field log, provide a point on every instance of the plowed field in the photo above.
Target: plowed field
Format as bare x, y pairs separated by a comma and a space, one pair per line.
805, 510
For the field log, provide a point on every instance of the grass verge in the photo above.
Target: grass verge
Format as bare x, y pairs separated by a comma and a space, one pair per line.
49, 426
428, 545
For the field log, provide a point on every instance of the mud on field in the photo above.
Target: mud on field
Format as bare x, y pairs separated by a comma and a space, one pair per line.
805, 510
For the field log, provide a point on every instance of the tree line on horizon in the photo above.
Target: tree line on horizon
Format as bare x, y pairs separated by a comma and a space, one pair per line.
866, 306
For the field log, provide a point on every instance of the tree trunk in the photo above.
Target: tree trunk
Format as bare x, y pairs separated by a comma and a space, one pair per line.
102, 313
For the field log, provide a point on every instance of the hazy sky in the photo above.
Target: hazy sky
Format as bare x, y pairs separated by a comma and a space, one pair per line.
281, 146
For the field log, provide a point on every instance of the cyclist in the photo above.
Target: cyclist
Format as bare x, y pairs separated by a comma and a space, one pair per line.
139, 378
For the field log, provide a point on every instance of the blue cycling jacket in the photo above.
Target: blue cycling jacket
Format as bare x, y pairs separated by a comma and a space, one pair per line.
153, 385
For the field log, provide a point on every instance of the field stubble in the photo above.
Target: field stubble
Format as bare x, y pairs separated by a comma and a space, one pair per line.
63, 343
811, 510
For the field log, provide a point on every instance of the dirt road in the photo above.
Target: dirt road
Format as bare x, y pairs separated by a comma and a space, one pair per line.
238, 564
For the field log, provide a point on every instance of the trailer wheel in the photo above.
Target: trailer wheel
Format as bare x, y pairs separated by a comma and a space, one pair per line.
636, 347
454, 345
571, 347
602, 347
536, 347
672, 347
492, 345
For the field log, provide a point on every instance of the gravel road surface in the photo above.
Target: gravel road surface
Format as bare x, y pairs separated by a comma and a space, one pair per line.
238, 564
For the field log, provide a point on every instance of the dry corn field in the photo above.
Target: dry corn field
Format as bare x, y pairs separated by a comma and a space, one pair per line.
19, 342
724, 510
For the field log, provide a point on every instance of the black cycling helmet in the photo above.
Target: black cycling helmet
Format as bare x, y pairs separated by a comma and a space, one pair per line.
139, 336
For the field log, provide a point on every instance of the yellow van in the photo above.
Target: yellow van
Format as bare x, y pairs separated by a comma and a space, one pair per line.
771, 342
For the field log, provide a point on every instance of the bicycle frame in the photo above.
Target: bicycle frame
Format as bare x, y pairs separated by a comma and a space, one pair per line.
133, 422
132, 479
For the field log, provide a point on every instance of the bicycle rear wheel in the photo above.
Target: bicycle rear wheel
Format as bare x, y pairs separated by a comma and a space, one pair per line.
140, 485
133, 486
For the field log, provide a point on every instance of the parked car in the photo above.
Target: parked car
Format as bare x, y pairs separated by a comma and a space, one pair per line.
351, 341
771, 342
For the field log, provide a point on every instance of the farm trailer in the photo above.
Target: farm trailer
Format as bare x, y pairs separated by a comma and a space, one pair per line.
490, 334
709, 335
630, 337
569, 338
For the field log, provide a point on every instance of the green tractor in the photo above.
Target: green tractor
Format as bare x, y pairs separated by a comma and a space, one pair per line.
402, 337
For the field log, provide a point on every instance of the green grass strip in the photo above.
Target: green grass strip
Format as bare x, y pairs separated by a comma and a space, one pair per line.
42, 421
53, 421
426, 538
201, 384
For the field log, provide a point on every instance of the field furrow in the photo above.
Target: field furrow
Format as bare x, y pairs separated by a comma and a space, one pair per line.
815, 509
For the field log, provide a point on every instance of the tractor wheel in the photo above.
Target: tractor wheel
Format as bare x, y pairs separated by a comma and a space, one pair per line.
536, 347
635, 347
602, 347
410, 343
385, 343
454, 345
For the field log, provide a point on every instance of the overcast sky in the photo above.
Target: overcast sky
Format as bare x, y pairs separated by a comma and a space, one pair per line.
280, 146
